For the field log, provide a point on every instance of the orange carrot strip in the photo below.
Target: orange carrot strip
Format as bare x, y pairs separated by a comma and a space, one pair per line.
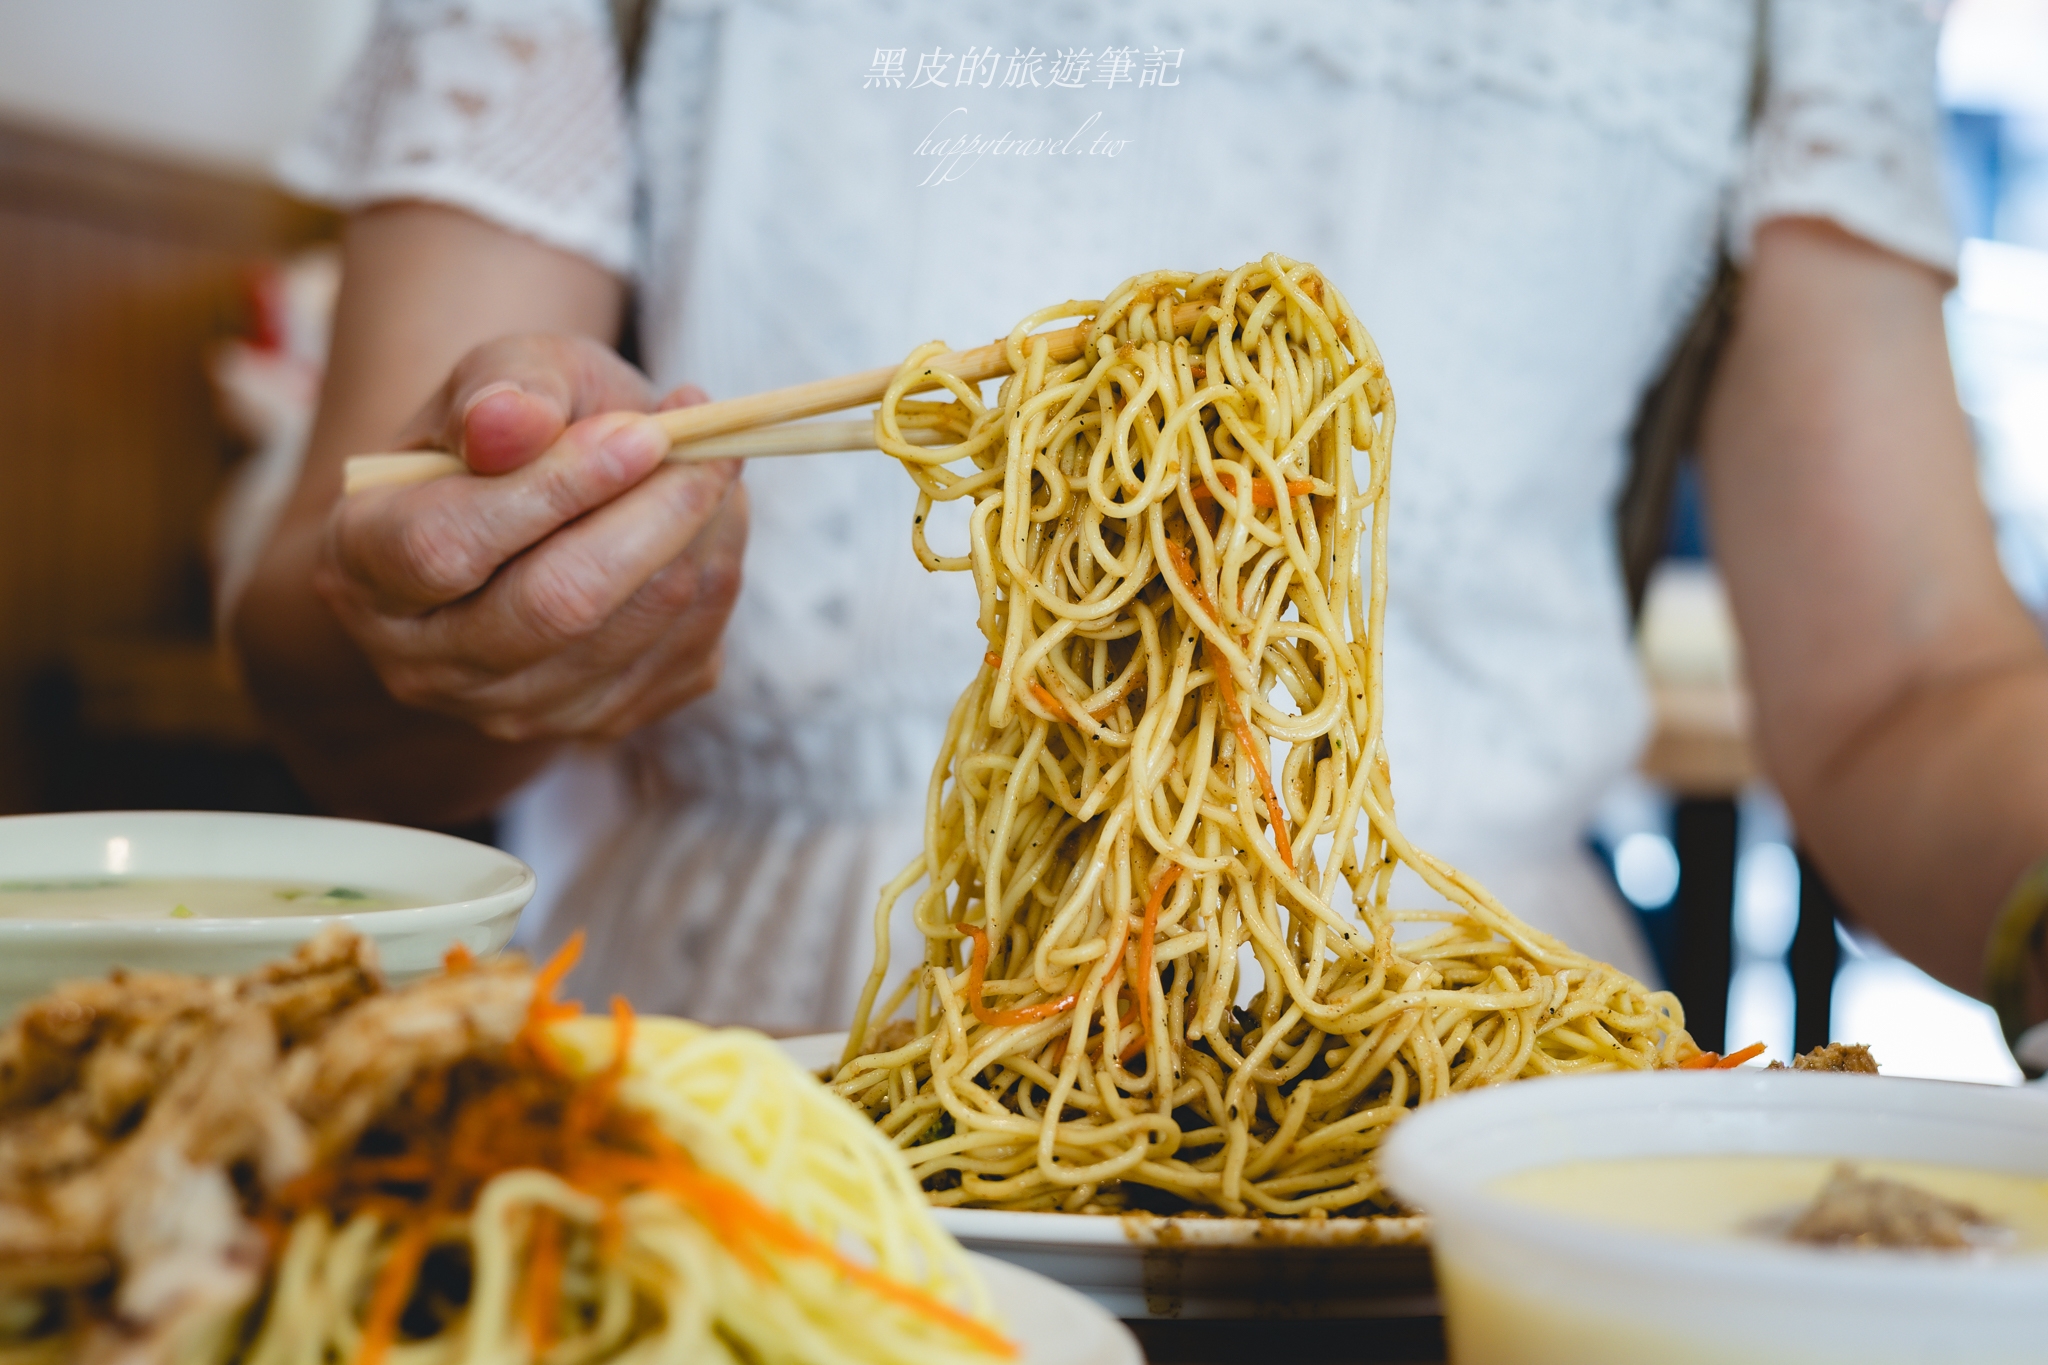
1138, 1036
1142, 983
407, 1168
1226, 688
977, 968
542, 1290
622, 1038
903, 1295
587, 1107
555, 968
1059, 708
1262, 489
603, 1150
1050, 702
544, 1009
1738, 1058
1701, 1061
388, 1296
458, 959
733, 1207
1064, 712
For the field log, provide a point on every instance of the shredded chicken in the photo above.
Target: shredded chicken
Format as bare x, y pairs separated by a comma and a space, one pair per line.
142, 1117
1853, 1209
1850, 1057
376, 1050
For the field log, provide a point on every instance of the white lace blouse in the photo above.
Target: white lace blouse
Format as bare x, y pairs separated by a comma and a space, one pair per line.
1522, 200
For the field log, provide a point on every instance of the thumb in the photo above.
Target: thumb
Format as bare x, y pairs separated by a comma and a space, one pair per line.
504, 425
509, 400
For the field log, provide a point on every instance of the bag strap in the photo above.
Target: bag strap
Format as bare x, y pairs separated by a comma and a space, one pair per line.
1667, 423
629, 29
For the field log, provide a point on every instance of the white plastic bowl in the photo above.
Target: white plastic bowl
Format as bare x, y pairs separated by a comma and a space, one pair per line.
473, 893
1531, 1286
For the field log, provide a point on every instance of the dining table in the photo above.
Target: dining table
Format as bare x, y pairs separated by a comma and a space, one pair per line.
1291, 1341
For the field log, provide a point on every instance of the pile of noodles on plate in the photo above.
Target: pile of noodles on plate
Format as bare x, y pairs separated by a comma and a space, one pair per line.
1172, 755
301, 1166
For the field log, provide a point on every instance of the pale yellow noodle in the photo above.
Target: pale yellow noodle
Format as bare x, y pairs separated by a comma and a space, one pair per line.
667, 1289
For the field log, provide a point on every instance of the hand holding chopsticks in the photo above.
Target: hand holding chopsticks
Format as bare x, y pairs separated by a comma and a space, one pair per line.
761, 424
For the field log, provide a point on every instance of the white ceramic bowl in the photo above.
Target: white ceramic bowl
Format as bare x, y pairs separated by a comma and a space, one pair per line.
473, 893
1139, 1266
1051, 1324
1536, 1287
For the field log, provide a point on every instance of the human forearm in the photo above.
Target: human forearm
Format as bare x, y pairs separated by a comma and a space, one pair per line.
1902, 692
357, 750
422, 287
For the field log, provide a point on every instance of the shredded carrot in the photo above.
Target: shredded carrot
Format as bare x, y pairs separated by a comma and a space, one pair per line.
1066, 713
1142, 985
1735, 1059
458, 959
544, 1009
737, 1214
549, 979
392, 1289
1226, 688
411, 1168
1123, 1016
455, 1130
1060, 709
589, 1104
1700, 1061
1262, 489
543, 1288
977, 969
622, 1039
1050, 702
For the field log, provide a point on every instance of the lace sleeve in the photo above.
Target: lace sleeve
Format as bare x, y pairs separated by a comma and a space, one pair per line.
1849, 129
511, 109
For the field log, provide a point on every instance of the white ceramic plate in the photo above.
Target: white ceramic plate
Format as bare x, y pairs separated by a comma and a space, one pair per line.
474, 892
1140, 1266
1052, 1324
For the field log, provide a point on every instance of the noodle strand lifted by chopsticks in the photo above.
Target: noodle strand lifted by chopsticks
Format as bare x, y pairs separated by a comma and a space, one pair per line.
1166, 535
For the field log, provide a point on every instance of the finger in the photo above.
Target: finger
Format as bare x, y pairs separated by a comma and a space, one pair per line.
503, 426
411, 549
682, 396
508, 400
641, 666
701, 582
568, 589
644, 663
654, 654
682, 666
687, 606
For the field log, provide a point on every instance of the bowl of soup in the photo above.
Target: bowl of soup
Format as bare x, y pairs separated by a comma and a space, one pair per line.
1763, 1217
215, 892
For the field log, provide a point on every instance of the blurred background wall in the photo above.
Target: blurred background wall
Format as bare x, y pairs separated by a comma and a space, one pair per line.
136, 224
220, 83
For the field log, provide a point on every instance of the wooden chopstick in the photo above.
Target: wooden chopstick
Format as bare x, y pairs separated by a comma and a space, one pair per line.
692, 429
791, 438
